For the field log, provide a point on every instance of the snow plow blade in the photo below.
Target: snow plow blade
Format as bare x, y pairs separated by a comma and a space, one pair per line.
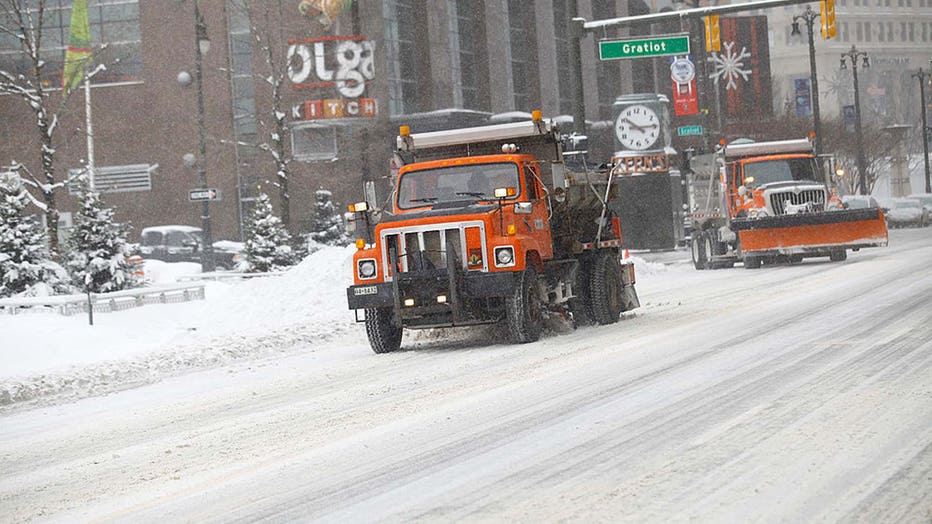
812, 233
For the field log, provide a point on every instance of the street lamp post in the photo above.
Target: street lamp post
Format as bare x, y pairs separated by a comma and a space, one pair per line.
202, 46
809, 16
853, 55
922, 75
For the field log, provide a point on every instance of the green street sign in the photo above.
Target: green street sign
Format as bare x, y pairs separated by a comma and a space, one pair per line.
644, 47
689, 131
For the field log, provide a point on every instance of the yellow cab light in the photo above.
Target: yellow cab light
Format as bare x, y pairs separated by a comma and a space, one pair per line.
748, 180
360, 243
441, 299
359, 206
404, 130
409, 302
536, 115
511, 229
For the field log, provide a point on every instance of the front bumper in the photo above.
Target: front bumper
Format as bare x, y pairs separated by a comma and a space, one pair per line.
464, 296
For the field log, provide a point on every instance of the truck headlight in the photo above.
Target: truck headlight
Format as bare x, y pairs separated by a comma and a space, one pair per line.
504, 256
758, 212
366, 268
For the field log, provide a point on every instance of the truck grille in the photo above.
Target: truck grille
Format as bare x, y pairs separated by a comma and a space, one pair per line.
428, 247
779, 199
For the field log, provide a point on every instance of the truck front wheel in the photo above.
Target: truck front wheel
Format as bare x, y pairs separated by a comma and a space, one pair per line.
384, 335
698, 251
605, 289
525, 308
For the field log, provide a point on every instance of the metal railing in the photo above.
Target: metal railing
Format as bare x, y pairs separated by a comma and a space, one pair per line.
104, 302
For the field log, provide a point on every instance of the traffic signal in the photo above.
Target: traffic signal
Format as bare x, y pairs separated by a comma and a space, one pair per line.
827, 16
713, 39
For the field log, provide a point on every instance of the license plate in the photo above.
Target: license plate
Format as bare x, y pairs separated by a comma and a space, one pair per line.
366, 290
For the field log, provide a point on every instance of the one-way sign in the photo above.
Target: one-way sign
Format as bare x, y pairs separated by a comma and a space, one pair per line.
200, 195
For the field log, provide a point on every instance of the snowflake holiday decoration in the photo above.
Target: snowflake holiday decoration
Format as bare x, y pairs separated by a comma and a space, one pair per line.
728, 65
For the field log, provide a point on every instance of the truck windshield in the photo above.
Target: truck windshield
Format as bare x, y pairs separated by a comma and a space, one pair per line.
784, 170
465, 183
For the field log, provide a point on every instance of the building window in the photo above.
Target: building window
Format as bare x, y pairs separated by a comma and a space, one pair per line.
859, 32
867, 31
310, 142
561, 15
469, 38
608, 73
113, 22
844, 31
912, 32
407, 70
523, 41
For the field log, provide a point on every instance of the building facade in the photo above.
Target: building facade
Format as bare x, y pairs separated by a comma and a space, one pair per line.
347, 78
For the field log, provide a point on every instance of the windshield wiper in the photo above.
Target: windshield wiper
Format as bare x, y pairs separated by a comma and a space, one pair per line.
474, 194
424, 199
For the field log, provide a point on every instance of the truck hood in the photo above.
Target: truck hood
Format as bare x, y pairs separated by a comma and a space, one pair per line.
442, 210
807, 184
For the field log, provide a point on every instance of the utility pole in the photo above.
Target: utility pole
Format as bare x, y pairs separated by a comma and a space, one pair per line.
922, 75
201, 46
809, 16
853, 55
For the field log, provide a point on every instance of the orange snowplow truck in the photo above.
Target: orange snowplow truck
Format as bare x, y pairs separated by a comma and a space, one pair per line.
764, 202
489, 224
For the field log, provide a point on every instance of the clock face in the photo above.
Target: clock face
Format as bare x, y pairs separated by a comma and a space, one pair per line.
637, 127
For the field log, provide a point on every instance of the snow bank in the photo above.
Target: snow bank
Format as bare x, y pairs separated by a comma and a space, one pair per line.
45, 355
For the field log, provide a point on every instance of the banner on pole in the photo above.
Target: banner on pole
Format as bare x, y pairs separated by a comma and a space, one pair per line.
78, 52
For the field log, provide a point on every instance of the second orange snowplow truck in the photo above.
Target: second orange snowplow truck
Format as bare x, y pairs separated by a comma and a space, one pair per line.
489, 224
761, 202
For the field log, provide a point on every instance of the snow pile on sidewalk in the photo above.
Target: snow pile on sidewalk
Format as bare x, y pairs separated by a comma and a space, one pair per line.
47, 355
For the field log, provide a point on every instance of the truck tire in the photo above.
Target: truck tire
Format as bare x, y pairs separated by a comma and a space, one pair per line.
697, 248
524, 308
581, 304
384, 335
752, 262
605, 289
839, 255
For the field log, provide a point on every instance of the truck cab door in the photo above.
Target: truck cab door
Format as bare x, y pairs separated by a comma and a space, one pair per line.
537, 223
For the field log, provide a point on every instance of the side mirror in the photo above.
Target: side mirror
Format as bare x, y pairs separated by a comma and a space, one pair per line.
523, 208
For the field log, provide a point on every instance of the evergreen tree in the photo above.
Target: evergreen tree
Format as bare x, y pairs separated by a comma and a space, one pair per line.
268, 243
98, 250
328, 224
25, 264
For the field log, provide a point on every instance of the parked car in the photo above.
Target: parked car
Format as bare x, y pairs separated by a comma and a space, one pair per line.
178, 243
859, 201
926, 200
907, 212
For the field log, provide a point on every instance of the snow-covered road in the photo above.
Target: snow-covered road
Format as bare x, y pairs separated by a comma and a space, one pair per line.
794, 393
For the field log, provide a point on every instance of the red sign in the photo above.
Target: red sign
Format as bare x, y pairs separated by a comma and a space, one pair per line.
685, 99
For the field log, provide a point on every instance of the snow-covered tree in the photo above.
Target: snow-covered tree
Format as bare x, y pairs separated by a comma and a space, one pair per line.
264, 21
97, 256
25, 265
327, 227
268, 243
